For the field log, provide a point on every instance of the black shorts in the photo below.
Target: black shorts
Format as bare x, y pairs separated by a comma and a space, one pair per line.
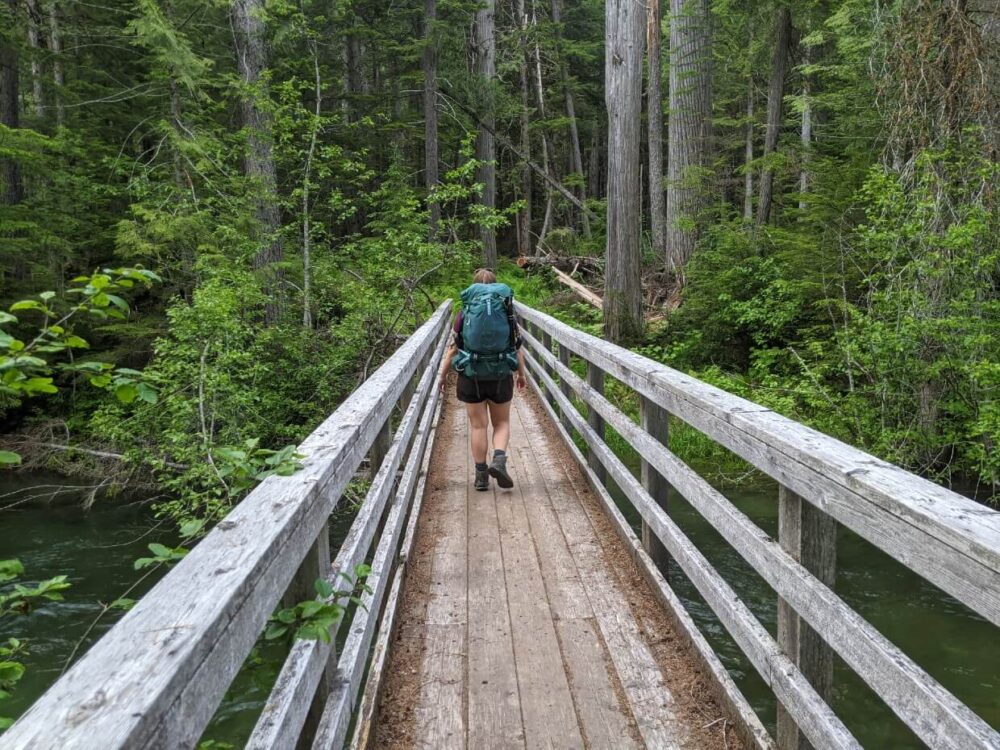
476, 391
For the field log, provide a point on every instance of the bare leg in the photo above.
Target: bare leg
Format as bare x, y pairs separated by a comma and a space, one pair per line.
478, 421
500, 417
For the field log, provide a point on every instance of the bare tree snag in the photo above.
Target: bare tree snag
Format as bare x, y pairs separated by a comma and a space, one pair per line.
624, 38
429, 64
486, 150
654, 120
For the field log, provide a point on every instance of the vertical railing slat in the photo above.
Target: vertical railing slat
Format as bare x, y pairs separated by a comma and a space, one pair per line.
654, 420
595, 379
810, 536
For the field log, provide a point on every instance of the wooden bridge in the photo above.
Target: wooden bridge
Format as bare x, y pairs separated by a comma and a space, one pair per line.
534, 617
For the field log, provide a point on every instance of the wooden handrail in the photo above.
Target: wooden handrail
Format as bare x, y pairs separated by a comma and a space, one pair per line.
932, 712
156, 678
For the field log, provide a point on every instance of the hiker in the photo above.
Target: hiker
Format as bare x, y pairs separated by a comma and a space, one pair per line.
486, 353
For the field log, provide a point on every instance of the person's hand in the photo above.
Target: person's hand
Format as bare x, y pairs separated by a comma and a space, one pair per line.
521, 381
443, 381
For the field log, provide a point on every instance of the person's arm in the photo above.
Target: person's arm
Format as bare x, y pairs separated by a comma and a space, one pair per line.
520, 377
446, 364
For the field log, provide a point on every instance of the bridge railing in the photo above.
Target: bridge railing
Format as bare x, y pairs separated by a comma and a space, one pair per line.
157, 677
951, 541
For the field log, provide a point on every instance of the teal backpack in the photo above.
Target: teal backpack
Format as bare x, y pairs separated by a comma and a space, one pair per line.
487, 333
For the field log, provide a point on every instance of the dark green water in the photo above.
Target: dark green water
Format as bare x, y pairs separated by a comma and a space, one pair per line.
97, 550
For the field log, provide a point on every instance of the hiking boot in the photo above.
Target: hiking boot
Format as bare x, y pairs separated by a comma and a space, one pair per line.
498, 470
482, 482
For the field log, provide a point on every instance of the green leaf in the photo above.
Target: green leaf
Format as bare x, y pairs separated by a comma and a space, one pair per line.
126, 393
27, 304
7, 458
76, 342
159, 550
10, 569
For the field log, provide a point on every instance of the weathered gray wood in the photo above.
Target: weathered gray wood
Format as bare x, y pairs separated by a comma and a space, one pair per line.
302, 588
547, 709
284, 712
336, 715
928, 709
546, 342
810, 537
655, 421
564, 357
157, 677
595, 379
379, 449
644, 690
364, 731
741, 713
495, 710
790, 687
950, 540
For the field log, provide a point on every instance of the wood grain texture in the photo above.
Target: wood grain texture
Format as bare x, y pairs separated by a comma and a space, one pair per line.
156, 678
928, 709
364, 731
741, 713
283, 715
950, 540
813, 715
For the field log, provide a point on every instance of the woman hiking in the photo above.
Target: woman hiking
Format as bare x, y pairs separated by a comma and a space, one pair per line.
486, 353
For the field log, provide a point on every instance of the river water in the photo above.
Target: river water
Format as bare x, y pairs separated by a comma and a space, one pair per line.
97, 550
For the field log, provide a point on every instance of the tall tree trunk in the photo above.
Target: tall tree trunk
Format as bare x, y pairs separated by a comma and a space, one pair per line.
431, 112
576, 153
251, 61
486, 150
34, 41
624, 36
55, 44
689, 130
805, 137
775, 106
11, 188
546, 166
654, 119
748, 157
524, 221
307, 319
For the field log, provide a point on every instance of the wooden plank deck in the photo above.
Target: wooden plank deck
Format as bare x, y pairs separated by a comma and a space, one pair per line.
525, 623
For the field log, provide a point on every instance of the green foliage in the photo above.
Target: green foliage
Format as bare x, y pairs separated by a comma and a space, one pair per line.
313, 618
20, 599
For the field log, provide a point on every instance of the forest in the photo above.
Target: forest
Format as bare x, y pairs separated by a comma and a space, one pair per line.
218, 218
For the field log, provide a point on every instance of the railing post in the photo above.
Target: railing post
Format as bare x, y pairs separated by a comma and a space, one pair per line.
595, 379
654, 420
564, 355
547, 343
302, 588
810, 536
380, 447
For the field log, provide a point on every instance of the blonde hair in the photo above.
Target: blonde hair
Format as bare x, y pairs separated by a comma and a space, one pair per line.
484, 276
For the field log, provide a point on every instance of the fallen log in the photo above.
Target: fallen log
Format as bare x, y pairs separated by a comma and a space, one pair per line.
567, 263
582, 291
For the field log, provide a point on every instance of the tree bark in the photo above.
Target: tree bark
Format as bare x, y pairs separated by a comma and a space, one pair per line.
431, 113
624, 37
34, 41
524, 221
576, 153
11, 188
259, 167
654, 120
689, 125
486, 150
55, 44
775, 106
748, 157
805, 138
